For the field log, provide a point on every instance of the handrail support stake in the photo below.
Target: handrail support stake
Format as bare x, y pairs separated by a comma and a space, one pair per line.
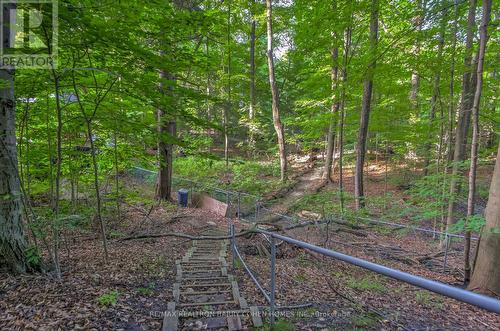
256, 210
447, 246
233, 245
273, 280
239, 205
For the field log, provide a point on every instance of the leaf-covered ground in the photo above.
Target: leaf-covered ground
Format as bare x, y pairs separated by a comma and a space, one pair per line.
139, 277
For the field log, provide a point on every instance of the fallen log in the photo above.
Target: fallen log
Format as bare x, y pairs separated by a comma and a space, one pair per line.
182, 235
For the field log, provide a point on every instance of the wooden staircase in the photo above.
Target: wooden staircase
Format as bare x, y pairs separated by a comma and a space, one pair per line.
206, 296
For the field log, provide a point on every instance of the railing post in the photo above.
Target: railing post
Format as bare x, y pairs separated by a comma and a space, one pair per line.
191, 195
273, 280
239, 205
256, 210
447, 238
233, 244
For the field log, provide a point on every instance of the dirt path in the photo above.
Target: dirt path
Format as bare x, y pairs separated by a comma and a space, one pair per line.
307, 183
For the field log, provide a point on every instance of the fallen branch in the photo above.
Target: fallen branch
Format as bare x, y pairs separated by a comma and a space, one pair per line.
427, 257
183, 235
356, 233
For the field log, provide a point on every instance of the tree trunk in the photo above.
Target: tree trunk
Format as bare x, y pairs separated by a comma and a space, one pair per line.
12, 238
335, 107
451, 106
486, 276
251, 110
415, 78
59, 156
435, 96
209, 93
90, 135
117, 171
345, 61
365, 111
49, 156
475, 131
464, 116
97, 189
166, 132
227, 109
278, 126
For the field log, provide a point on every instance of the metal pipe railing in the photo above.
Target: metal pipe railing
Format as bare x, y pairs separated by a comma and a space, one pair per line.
475, 299
237, 254
249, 272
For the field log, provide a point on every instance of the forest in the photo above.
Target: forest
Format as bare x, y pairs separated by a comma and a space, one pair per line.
159, 161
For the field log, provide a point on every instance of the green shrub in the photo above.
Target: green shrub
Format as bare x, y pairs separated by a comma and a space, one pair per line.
34, 258
145, 291
108, 299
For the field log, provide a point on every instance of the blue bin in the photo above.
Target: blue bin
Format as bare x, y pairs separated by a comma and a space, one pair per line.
182, 197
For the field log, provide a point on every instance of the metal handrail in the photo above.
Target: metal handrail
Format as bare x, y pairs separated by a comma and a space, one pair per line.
247, 269
478, 300
237, 254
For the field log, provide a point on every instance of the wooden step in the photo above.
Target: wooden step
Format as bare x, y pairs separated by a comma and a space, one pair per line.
205, 292
204, 278
170, 320
206, 285
234, 323
209, 303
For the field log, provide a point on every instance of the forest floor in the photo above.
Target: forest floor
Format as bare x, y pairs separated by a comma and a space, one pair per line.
131, 291
128, 293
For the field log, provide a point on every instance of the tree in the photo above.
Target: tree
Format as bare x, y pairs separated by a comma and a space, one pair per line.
89, 118
227, 108
12, 238
435, 98
253, 100
415, 78
475, 131
365, 110
462, 128
486, 276
166, 122
166, 133
278, 126
335, 105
